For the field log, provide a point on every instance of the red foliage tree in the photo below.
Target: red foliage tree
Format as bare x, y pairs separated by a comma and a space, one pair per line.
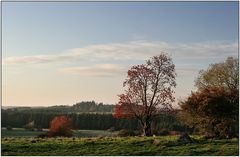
149, 90
60, 126
214, 111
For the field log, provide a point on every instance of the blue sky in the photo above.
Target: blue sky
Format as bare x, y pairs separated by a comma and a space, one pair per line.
61, 53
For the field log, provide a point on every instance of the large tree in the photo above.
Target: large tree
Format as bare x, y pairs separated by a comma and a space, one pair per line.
149, 90
224, 75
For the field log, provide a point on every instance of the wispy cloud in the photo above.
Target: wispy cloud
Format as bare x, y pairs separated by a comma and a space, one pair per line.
134, 50
143, 49
105, 70
183, 69
100, 70
38, 59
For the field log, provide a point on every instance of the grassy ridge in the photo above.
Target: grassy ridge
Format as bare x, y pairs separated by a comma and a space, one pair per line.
166, 145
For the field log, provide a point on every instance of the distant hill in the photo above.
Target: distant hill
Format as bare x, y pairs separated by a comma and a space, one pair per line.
81, 107
7, 107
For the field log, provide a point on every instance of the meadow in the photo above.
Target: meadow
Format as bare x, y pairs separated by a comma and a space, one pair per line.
21, 132
84, 143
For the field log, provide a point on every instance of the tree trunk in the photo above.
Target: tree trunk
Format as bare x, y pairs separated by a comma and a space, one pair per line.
147, 129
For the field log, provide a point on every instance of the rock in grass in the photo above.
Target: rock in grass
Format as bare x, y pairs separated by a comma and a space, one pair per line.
156, 142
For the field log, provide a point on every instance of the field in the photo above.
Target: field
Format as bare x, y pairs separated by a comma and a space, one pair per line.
20, 132
162, 145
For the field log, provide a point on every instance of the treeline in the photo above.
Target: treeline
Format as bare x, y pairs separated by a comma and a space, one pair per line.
81, 107
91, 121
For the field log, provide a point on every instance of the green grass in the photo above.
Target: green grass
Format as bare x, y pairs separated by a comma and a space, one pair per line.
94, 133
20, 132
161, 146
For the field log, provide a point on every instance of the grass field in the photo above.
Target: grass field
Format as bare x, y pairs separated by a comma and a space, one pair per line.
20, 132
165, 145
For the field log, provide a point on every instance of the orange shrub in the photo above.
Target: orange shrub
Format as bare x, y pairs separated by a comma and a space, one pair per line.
60, 126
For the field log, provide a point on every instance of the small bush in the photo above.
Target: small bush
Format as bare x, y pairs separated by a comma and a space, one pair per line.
60, 126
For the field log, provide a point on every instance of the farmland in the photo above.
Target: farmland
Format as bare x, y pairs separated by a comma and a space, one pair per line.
17, 143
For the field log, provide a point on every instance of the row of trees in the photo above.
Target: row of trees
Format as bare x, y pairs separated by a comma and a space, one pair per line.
92, 121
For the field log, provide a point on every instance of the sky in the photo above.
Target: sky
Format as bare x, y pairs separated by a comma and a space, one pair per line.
61, 53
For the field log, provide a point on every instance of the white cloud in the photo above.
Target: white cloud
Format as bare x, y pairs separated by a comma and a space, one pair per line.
100, 70
134, 50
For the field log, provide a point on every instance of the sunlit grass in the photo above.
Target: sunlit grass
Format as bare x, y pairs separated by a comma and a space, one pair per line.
166, 145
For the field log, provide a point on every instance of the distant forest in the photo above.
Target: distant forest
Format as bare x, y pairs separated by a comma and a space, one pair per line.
85, 115
81, 107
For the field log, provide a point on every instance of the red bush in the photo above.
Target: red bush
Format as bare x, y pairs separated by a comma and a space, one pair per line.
60, 126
